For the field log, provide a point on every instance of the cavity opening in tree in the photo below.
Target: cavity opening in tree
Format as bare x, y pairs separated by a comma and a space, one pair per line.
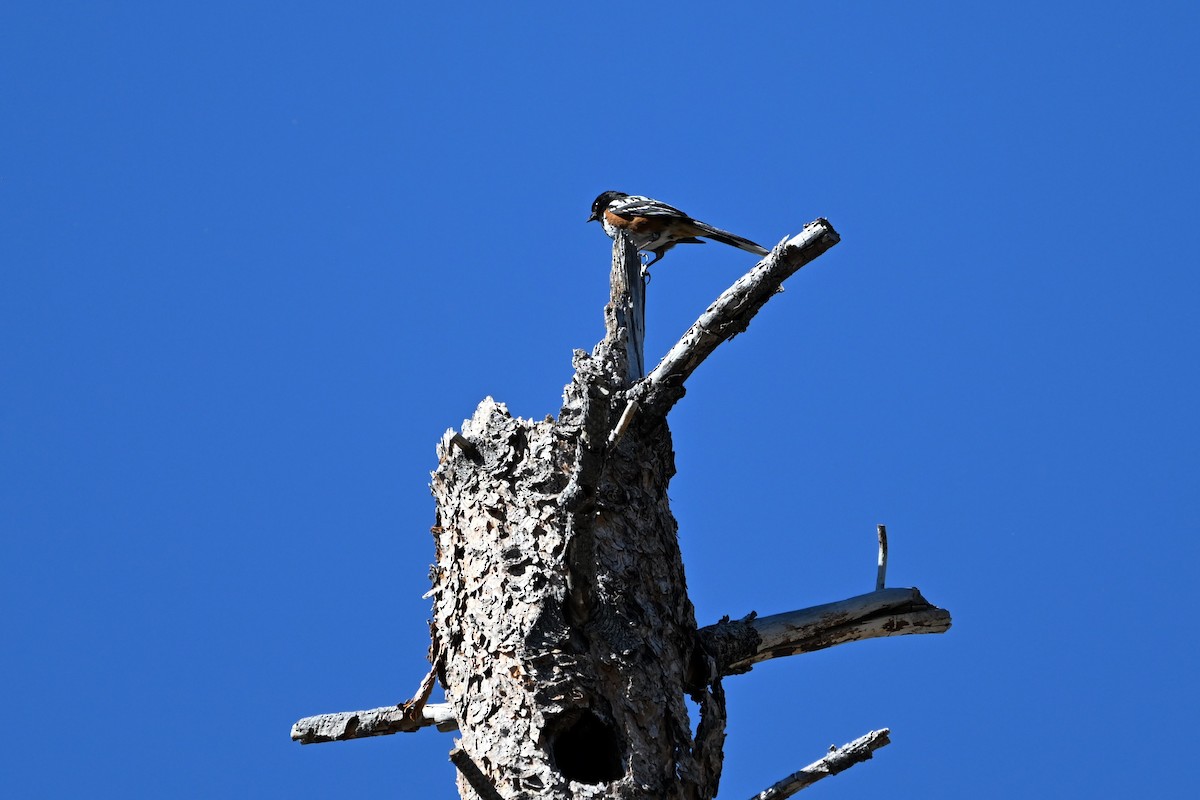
585, 748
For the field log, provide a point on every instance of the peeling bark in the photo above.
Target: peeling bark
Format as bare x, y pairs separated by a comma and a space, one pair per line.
562, 631
560, 605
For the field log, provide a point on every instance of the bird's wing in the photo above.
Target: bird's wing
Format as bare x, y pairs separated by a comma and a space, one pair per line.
637, 206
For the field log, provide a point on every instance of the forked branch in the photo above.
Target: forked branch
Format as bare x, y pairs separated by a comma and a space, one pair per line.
403, 718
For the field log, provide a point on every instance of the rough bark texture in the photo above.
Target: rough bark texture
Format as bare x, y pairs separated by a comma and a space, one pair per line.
562, 633
561, 615
734, 646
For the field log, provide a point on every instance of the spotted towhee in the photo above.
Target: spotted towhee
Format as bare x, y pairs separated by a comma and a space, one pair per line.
657, 227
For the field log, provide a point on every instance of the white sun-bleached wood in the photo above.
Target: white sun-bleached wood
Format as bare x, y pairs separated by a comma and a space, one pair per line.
837, 760
559, 599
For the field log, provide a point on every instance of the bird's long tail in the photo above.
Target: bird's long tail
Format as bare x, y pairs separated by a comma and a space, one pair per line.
725, 237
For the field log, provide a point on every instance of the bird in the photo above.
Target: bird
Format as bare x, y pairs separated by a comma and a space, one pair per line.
657, 227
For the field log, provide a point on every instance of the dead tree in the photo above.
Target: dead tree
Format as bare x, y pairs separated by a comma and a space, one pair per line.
562, 631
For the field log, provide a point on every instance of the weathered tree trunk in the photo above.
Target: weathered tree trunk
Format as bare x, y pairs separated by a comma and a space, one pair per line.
562, 631
561, 614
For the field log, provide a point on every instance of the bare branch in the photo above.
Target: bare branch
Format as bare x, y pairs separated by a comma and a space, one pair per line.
375, 722
736, 645
838, 760
631, 409
731, 313
474, 775
740, 644
403, 718
881, 574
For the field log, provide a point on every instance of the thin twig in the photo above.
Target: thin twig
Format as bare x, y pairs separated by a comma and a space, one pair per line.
881, 575
839, 759
470, 770
402, 718
631, 409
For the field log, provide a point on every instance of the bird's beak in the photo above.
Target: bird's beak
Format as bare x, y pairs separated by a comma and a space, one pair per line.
595, 216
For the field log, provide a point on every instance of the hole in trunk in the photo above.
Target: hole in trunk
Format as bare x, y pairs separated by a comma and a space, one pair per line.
585, 748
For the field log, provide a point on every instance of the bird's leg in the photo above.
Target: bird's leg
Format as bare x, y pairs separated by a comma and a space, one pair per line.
646, 265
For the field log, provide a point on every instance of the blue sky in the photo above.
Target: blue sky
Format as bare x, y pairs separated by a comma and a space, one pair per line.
254, 260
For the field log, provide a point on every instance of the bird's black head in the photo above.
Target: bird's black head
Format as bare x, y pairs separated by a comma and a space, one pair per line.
602, 202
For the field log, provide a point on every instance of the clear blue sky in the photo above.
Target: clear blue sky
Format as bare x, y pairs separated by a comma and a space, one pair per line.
255, 258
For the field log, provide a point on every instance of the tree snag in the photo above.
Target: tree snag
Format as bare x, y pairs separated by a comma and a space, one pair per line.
562, 631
